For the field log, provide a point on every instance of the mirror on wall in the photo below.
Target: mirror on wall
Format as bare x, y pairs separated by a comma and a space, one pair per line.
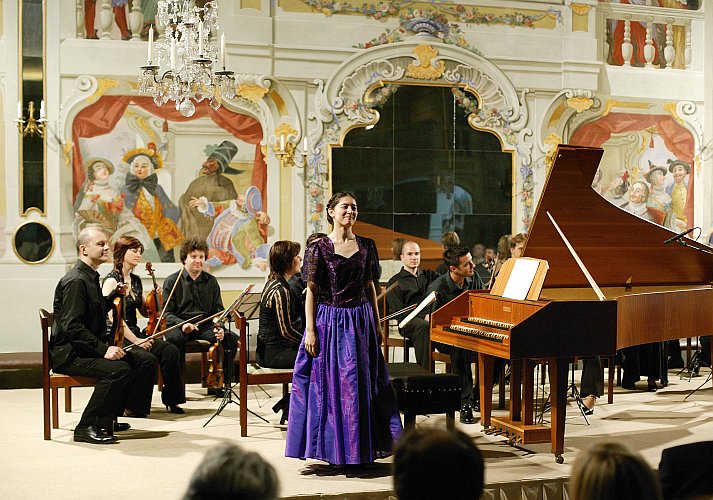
423, 170
32, 165
33, 242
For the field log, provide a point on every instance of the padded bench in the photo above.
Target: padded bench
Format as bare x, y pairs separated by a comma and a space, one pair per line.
419, 392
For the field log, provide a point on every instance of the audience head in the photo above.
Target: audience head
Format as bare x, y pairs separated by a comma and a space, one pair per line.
123, 245
411, 256
504, 247
334, 201
284, 259
517, 243
229, 472
396, 245
612, 471
489, 254
431, 463
450, 240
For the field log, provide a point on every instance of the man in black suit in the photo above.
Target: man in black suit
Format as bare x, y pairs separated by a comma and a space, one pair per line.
78, 346
685, 471
412, 284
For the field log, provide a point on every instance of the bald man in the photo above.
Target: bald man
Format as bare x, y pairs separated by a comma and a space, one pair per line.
412, 285
78, 344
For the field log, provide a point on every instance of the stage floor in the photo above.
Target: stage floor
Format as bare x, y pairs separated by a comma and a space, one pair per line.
158, 455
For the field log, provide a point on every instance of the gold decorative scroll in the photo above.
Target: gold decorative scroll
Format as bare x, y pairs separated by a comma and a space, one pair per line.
580, 104
251, 92
103, 84
425, 69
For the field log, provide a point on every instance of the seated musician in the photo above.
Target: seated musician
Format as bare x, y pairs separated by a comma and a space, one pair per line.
457, 280
280, 326
411, 289
78, 346
297, 284
127, 252
197, 293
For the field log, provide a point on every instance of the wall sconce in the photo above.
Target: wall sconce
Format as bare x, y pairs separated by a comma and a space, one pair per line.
31, 127
285, 150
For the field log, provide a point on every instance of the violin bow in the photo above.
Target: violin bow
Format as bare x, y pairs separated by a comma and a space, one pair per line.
163, 309
398, 313
159, 334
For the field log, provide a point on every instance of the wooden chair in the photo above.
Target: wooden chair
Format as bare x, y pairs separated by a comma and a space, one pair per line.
250, 373
51, 382
392, 336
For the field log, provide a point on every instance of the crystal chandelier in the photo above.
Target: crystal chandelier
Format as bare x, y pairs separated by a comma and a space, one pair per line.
188, 52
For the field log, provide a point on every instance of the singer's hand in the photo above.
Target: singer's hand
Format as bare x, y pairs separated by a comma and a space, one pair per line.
311, 342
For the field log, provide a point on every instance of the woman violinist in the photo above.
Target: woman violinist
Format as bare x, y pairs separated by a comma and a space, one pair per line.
127, 251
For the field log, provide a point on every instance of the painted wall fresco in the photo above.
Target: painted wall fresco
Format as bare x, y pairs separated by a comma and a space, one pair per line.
646, 166
130, 179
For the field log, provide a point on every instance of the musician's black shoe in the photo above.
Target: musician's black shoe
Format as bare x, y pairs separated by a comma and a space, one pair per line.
218, 392
93, 435
466, 414
176, 409
121, 426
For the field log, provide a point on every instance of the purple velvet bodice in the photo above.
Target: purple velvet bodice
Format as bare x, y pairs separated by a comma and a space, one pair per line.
341, 280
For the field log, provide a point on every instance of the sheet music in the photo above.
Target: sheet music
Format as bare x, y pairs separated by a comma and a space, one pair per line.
521, 278
424, 303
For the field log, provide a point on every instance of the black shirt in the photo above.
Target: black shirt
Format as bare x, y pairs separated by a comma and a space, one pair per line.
411, 289
446, 290
192, 297
79, 328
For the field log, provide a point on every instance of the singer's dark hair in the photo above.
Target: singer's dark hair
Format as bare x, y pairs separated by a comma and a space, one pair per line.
451, 257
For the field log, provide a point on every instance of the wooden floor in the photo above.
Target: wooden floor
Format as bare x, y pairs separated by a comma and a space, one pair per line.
157, 456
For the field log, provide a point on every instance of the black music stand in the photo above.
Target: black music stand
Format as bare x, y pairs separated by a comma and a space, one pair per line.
228, 392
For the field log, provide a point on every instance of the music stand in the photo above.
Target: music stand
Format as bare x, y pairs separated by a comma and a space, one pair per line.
228, 392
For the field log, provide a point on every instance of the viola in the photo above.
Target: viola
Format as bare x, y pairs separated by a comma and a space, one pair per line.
154, 305
215, 378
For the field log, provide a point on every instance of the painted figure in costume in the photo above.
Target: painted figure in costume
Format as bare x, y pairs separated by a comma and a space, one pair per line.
235, 237
658, 197
149, 203
100, 205
212, 185
342, 408
637, 204
119, 8
679, 189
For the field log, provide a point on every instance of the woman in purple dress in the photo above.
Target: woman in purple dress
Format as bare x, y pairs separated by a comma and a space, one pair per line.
342, 408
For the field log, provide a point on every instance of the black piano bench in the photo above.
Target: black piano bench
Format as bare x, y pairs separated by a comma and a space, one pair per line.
424, 393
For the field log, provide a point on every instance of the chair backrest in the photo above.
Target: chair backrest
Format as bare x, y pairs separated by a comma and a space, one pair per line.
46, 320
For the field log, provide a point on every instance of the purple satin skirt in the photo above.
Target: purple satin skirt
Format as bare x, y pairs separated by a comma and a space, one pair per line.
342, 407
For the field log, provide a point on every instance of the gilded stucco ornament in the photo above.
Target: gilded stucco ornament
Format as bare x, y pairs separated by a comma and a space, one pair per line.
425, 68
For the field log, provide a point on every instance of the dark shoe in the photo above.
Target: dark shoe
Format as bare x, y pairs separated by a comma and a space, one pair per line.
133, 414
475, 406
587, 411
93, 435
651, 387
218, 392
121, 426
466, 414
631, 387
176, 409
546, 407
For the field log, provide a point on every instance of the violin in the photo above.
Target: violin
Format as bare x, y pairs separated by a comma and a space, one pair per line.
215, 377
154, 305
119, 312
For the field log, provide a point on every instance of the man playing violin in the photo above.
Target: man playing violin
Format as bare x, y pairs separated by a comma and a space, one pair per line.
127, 255
78, 347
197, 292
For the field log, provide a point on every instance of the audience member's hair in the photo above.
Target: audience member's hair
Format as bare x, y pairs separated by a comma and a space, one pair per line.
518, 238
229, 472
450, 240
612, 471
282, 254
191, 245
451, 257
314, 237
503, 251
124, 244
396, 245
333, 203
431, 463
